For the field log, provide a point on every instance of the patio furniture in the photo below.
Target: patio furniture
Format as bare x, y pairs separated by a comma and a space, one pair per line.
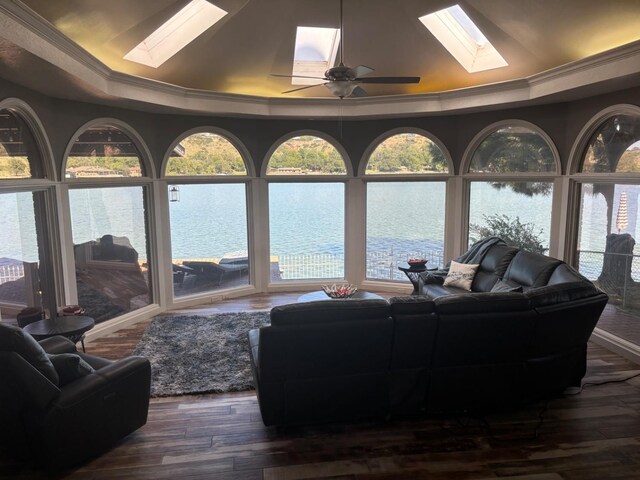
212, 271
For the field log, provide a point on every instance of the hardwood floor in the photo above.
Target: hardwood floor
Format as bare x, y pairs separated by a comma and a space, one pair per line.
593, 435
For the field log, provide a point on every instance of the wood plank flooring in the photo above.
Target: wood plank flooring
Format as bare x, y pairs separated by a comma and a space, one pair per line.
594, 435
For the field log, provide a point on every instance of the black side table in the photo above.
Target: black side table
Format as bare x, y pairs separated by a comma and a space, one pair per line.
413, 274
73, 327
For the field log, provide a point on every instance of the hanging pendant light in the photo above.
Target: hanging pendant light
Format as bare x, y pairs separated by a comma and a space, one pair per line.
174, 193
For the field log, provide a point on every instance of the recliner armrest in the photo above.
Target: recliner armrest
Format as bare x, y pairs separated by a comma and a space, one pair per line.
58, 344
122, 370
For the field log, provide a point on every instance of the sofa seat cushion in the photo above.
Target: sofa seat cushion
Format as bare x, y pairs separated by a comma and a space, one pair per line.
506, 286
324, 311
482, 303
14, 339
435, 291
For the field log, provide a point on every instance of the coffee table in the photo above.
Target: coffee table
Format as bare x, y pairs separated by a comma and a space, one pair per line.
320, 295
73, 327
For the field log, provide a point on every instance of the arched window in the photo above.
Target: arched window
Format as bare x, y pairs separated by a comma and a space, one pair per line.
26, 258
513, 149
20, 157
103, 151
511, 169
396, 226
209, 233
306, 217
205, 154
614, 147
407, 153
109, 203
609, 226
306, 155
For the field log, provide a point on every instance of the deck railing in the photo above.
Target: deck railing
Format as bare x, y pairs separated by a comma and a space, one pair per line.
11, 273
380, 265
620, 279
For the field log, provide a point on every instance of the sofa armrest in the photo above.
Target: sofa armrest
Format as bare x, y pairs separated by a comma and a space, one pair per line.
433, 277
58, 344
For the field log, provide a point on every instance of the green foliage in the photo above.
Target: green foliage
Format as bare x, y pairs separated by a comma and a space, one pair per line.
525, 188
512, 231
14, 167
306, 154
121, 166
513, 149
207, 154
407, 153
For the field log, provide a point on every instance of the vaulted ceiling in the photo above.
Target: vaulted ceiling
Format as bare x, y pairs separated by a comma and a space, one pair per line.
539, 39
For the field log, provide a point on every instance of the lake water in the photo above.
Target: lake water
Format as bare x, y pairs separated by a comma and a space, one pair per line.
210, 221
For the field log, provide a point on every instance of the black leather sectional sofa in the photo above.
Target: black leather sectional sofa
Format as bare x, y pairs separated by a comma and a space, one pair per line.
449, 350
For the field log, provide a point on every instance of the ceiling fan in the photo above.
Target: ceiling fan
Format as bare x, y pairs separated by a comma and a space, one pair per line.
343, 81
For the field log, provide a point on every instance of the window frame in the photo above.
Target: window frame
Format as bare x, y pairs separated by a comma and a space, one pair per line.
153, 220
287, 285
469, 177
366, 178
247, 179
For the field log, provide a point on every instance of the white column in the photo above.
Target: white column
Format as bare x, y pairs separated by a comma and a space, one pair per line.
355, 230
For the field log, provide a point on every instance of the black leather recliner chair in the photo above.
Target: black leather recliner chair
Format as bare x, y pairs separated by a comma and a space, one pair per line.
63, 418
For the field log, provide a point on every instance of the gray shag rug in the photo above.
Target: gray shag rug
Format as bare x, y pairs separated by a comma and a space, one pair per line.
200, 354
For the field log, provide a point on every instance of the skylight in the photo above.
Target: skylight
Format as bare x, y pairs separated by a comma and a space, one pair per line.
176, 33
315, 52
463, 39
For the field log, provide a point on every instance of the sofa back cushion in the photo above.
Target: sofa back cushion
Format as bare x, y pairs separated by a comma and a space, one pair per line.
566, 274
561, 293
531, 269
492, 267
326, 339
323, 311
472, 303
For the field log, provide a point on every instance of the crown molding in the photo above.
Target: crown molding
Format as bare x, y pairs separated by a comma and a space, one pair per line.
29, 31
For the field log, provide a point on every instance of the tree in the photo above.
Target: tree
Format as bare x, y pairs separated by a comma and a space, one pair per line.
512, 231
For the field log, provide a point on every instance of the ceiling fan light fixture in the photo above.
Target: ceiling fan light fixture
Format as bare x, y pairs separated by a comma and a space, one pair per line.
342, 88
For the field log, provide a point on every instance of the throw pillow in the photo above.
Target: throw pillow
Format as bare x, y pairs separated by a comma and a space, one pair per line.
14, 339
504, 286
461, 275
70, 367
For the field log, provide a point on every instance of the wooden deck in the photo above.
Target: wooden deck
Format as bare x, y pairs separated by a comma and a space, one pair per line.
594, 435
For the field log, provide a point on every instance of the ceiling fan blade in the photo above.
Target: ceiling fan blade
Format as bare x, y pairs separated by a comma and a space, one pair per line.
296, 76
359, 92
362, 70
388, 80
304, 88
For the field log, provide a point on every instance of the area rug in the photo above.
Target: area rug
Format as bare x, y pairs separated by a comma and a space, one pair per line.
199, 354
